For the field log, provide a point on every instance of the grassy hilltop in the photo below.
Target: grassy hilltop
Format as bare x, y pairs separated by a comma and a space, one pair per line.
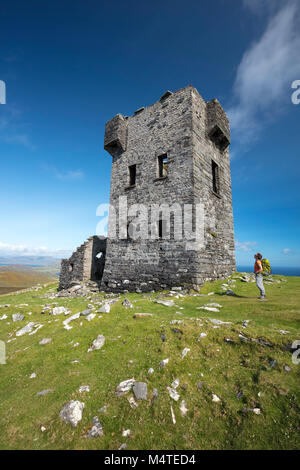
15, 277
245, 363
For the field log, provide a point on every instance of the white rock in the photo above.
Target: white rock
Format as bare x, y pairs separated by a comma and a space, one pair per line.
71, 318
71, 413
215, 398
184, 352
58, 310
203, 335
4, 317
150, 371
126, 433
84, 388
32, 376
215, 321
17, 317
173, 415
26, 329
183, 408
124, 387
209, 309
90, 316
105, 308
133, 404
173, 393
175, 383
45, 341
166, 303
163, 363
97, 343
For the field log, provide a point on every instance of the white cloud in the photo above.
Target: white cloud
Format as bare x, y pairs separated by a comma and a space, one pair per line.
64, 175
264, 76
260, 6
7, 249
244, 246
11, 127
286, 251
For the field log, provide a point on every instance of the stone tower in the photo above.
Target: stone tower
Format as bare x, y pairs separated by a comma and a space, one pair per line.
175, 151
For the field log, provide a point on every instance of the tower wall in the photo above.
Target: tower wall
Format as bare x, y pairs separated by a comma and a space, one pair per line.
191, 133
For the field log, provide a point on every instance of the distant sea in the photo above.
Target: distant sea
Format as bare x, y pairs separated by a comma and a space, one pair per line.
275, 270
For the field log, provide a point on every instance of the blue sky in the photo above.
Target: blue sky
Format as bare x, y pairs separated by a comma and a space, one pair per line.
70, 66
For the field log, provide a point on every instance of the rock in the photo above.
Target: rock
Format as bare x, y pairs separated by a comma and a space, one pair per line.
44, 392
103, 409
97, 343
287, 368
126, 433
86, 312
26, 329
228, 340
273, 362
4, 317
209, 309
184, 352
213, 304
203, 335
45, 341
90, 316
124, 387
150, 371
84, 388
32, 376
176, 330
163, 363
175, 384
215, 398
122, 446
215, 321
71, 413
132, 403
183, 408
126, 303
58, 311
17, 317
166, 303
251, 410
200, 385
173, 415
239, 394
140, 390
176, 322
104, 309
173, 393
71, 318
42, 428
142, 315
96, 430
163, 338
229, 292
244, 338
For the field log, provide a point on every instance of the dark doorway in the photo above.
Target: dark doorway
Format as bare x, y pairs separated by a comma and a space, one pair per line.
99, 263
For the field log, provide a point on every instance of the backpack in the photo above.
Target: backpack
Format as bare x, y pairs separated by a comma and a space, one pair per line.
266, 267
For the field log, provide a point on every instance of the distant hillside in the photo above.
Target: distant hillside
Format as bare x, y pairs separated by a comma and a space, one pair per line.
18, 277
29, 260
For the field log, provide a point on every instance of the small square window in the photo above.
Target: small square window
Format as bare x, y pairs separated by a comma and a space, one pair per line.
162, 166
132, 175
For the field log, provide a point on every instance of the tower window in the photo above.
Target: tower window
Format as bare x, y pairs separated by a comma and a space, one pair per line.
215, 177
162, 166
132, 175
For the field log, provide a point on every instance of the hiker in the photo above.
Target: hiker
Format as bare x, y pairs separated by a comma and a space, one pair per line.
258, 269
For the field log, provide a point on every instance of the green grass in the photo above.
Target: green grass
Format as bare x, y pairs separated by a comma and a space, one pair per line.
225, 369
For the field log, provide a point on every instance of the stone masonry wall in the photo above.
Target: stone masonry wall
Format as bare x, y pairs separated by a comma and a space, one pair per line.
84, 265
178, 125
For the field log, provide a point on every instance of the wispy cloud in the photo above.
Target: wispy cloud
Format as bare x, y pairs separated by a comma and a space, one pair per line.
11, 127
7, 249
244, 246
287, 251
64, 175
263, 81
261, 6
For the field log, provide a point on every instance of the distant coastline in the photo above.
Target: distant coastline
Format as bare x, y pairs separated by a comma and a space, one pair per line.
275, 270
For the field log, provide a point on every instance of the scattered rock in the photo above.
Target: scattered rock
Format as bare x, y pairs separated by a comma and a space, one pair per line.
17, 317
150, 371
126, 433
26, 329
209, 309
132, 403
184, 352
96, 430
173, 416
166, 303
215, 321
32, 376
123, 446
59, 311
163, 363
287, 368
86, 312
215, 398
124, 387
183, 408
126, 303
44, 392
173, 393
104, 309
90, 316
140, 390
175, 383
103, 409
84, 388
71, 413
97, 343
45, 341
